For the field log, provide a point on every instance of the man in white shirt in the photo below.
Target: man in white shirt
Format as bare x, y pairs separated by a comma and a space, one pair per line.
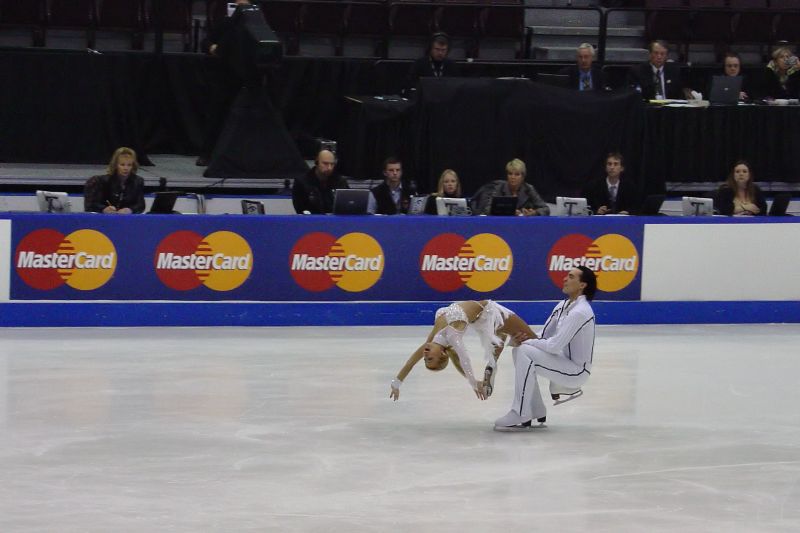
562, 353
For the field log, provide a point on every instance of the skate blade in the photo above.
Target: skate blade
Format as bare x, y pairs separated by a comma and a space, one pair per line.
570, 397
519, 429
488, 381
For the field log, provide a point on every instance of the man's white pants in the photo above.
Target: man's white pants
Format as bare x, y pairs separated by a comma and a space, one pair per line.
530, 362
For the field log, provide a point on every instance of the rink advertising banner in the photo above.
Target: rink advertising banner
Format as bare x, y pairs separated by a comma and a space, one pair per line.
317, 258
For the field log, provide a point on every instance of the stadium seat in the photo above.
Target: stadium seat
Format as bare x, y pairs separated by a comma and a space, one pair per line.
787, 24
284, 17
24, 15
752, 27
323, 21
367, 20
123, 15
504, 21
73, 15
665, 22
460, 20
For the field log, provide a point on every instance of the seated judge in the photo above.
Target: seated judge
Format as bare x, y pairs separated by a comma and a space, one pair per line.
119, 191
529, 203
739, 196
611, 195
732, 66
449, 187
782, 75
313, 193
390, 197
583, 75
657, 79
435, 63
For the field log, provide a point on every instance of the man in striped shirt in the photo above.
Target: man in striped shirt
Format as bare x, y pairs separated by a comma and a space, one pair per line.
562, 353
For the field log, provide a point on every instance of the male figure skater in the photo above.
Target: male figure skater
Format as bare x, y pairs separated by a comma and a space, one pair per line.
562, 353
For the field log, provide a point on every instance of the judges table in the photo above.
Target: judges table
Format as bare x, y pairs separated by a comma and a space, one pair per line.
661, 144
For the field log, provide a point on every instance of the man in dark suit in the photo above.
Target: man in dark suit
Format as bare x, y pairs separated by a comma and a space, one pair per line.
657, 79
584, 76
435, 63
390, 197
611, 195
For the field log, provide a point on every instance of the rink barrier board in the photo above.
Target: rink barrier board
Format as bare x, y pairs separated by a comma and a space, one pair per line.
116, 314
680, 260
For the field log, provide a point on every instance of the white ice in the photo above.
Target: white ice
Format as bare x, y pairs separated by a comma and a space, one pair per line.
681, 428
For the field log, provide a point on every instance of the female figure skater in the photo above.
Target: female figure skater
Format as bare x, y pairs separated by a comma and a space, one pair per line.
491, 321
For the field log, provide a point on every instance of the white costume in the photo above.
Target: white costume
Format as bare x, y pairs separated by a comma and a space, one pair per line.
562, 354
486, 325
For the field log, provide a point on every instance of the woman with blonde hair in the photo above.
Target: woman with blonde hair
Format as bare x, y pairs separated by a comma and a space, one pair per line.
529, 203
449, 186
491, 321
782, 77
119, 190
739, 196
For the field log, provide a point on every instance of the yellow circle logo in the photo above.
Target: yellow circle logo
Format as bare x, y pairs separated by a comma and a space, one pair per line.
354, 262
612, 257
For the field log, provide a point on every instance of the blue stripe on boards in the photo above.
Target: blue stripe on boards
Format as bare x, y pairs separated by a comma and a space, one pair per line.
131, 314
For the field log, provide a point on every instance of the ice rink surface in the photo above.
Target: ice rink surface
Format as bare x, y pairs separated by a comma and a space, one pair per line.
681, 428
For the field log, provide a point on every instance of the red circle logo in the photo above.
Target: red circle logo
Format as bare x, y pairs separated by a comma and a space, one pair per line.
449, 261
612, 257
353, 262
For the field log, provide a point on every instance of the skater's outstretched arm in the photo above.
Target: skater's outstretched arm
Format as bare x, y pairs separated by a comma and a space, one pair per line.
394, 393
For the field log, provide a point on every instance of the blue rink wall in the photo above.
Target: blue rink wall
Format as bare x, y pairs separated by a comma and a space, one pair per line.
92, 270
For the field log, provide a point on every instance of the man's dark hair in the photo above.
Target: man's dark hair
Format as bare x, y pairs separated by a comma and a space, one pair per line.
440, 38
588, 277
391, 161
731, 54
616, 155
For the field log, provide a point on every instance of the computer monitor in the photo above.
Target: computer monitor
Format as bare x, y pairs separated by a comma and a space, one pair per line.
503, 206
780, 204
53, 202
554, 80
416, 205
571, 207
725, 89
652, 204
694, 206
252, 207
452, 207
164, 202
350, 201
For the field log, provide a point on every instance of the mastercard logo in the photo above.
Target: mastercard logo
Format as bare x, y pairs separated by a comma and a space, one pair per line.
449, 261
353, 262
613, 258
84, 260
221, 261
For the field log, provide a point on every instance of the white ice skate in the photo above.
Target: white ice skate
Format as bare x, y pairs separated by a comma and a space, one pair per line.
561, 394
512, 422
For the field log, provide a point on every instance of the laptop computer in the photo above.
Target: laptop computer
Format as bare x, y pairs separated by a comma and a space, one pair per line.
417, 204
505, 206
725, 90
350, 201
164, 202
780, 204
652, 205
252, 207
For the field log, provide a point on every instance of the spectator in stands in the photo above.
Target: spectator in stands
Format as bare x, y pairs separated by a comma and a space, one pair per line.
119, 191
390, 197
739, 196
223, 84
584, 76
732, 65
657, 79
611, 195
435, 63
782, 79
449, 187
529, 203
313, 193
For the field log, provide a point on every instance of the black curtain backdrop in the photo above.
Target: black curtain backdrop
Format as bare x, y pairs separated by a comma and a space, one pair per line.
563, 136
75, 107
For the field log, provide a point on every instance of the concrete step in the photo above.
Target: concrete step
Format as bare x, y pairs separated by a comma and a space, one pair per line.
567, 54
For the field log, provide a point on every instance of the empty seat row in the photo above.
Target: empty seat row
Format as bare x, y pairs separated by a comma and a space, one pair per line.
132, 16
723, 21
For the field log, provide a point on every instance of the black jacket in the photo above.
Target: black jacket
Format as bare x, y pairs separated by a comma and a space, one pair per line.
596, 194
384, 203
310, 194
771, 86
723, 201
598, 78
527, 198
641, 76
102, 191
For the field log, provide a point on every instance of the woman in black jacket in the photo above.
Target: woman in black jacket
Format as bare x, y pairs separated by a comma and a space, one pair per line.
739, 196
